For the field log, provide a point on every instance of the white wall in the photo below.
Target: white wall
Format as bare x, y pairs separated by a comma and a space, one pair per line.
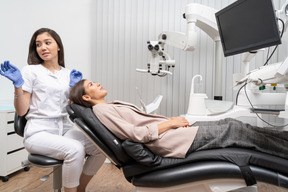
19, 19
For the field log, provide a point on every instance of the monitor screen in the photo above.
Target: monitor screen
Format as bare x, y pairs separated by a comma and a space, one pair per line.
247, 25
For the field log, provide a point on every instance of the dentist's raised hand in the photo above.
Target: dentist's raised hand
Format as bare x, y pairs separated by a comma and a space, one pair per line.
75, 77
13, 73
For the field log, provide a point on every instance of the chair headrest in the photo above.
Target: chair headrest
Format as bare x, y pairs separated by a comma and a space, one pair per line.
108, 138
71, 113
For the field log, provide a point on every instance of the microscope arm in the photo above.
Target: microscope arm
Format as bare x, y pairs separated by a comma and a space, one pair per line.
196, 15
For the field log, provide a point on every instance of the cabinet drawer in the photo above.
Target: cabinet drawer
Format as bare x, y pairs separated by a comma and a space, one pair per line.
10, 127
14, 160
10, 116
14, 142
10, 122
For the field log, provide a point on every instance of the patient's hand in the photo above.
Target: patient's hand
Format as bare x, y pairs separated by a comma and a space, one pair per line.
173, 123
179, 122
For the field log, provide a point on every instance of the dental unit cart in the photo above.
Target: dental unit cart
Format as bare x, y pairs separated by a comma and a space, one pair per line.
12, 151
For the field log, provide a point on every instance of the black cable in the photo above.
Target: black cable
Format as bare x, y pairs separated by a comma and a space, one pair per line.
283, 25
271, 55
239, 92
279, 126
268, 53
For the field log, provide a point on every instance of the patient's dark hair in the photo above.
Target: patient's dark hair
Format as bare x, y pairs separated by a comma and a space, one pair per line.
76, 93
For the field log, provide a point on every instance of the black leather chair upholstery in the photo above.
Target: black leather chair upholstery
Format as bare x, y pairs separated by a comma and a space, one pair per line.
144, 169
40, 160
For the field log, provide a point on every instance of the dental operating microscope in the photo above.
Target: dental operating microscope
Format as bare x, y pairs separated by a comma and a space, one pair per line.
196, 15
247, 82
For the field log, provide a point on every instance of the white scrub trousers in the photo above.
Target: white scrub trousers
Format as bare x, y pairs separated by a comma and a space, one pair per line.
66, 143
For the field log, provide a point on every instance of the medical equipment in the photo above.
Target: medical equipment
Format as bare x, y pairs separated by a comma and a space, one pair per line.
272, 74
151, 107
155, 66
254, 29
197, 104
206, 171
204, 18
196, 15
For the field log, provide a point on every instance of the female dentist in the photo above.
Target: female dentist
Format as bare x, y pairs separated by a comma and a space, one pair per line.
41, 91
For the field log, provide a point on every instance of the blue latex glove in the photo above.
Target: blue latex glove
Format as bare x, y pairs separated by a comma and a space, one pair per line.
13, 73
75, 77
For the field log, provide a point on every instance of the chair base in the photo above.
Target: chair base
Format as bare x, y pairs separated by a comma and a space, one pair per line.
47, 162
57, 178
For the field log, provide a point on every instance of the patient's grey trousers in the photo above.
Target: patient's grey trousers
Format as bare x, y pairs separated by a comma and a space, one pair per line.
233, 133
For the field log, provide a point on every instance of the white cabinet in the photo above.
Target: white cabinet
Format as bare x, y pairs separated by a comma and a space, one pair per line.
12, 151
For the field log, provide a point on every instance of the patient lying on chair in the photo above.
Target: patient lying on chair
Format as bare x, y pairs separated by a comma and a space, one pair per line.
175, 137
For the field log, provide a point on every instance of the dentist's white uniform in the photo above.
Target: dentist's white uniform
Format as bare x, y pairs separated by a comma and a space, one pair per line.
48, 130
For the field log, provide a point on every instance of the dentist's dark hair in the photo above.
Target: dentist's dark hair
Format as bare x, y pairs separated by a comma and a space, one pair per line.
34, 58
76, 93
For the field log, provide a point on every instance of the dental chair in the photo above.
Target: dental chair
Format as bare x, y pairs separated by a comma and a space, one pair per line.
217, 170
40, 160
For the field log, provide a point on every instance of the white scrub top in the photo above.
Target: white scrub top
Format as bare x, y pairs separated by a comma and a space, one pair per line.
49, 96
